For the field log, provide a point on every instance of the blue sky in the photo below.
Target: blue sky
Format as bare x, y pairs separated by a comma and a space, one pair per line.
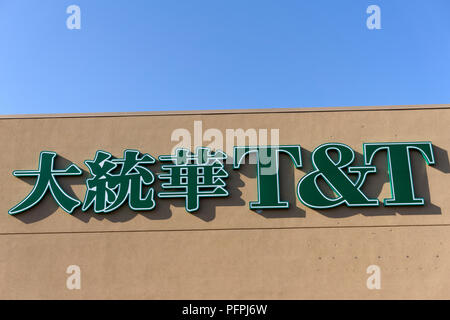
215, 54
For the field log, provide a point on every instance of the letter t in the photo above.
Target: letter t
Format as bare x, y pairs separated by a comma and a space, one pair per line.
399, 167
267, 158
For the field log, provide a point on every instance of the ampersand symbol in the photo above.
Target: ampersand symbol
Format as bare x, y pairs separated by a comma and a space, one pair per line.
346, 190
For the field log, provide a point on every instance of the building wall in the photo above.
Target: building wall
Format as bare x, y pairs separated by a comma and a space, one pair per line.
226, 250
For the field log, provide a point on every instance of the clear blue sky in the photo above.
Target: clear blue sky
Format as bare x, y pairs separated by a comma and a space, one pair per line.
214, 54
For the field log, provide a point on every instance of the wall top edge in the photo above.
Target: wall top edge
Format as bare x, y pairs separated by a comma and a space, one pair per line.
227, 111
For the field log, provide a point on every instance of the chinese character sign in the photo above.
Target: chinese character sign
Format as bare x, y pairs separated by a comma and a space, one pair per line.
114, 182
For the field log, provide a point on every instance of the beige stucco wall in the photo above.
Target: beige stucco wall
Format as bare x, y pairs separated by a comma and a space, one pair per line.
227, 250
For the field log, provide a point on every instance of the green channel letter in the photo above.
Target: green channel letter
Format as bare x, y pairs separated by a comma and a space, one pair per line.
46, 182
106, 191
193, 176
399, 168
347, 192
267, 170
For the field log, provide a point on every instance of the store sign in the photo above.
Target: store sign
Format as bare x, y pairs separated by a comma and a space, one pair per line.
193, 176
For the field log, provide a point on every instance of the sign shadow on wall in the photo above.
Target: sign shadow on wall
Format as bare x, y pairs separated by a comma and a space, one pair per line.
208, 206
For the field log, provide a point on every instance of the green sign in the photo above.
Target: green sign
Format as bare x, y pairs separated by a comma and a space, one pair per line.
193, 176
